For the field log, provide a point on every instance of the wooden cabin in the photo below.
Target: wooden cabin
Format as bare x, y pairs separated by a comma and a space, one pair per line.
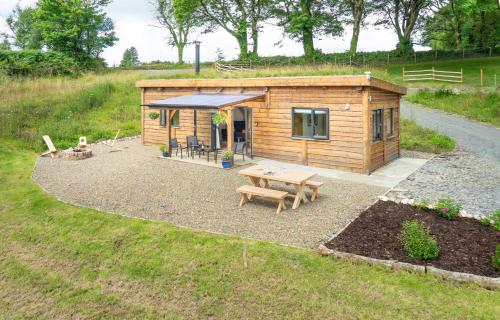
343, 122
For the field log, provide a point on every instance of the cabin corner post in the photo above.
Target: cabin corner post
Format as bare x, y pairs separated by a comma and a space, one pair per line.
142, 115
169, 132
366, 130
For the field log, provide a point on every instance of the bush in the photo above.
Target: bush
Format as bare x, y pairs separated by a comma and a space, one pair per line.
495, 260
448, 208
417, 242
492, 220
36, 63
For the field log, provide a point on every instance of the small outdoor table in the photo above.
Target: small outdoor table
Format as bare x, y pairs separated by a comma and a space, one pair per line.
294, 177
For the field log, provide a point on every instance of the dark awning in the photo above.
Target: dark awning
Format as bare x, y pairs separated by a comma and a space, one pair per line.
204, 100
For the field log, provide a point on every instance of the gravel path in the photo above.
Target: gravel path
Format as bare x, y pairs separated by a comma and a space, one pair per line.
135, 182
470, 174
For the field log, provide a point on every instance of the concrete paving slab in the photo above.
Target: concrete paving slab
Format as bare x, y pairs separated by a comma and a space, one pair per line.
387, 176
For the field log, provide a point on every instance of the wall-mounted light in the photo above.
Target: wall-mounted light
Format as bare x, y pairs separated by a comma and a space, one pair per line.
347, 106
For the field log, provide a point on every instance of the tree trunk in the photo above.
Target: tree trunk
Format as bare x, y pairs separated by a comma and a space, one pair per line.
255, 39
357, 12
243, 44
308, 44
180, 54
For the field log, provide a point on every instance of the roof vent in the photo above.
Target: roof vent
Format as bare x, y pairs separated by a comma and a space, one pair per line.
368, 74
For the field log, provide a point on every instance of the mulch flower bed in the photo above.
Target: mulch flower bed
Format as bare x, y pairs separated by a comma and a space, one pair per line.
465, 244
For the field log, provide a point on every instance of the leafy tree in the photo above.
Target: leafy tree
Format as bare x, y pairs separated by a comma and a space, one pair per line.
306, 19
77, 28
130, 57
355, 11
237, 17
25, 33
4, 45
179, 17
405, 16
458, 24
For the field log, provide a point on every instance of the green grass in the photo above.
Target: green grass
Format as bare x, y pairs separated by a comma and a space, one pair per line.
478, 106
471, 68
417, 138
62, 261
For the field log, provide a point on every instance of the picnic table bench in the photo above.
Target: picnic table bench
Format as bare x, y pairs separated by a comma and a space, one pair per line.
247, 191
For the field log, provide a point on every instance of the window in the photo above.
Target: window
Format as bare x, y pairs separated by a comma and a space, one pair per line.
175, 119
377, 124
310, 123
163, 118
389, 118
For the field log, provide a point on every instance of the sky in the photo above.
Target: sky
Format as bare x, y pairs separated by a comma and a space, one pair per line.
135, 26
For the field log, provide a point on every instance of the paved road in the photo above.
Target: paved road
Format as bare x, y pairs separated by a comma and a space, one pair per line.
481, 139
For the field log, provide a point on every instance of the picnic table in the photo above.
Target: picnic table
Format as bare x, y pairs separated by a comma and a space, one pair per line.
296, 178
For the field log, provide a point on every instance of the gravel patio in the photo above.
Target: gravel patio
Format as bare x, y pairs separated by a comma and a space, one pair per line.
135, 182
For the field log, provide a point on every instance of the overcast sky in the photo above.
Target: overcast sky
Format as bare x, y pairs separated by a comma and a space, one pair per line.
134, 26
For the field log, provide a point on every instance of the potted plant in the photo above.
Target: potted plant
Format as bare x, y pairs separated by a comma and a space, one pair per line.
153, 115
227, 159
164, 150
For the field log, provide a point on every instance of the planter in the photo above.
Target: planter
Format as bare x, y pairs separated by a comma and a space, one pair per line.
227, 164
165, 154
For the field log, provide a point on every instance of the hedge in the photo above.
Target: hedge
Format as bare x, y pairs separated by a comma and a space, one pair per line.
36, 63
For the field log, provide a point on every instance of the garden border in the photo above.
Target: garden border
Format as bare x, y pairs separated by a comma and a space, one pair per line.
456, 277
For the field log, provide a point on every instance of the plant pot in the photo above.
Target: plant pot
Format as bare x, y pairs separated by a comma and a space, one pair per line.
227, 164
165, 154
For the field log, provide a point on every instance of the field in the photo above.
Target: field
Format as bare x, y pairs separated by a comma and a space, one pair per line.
62, 261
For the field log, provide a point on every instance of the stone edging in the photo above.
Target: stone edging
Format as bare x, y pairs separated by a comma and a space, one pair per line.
457, 277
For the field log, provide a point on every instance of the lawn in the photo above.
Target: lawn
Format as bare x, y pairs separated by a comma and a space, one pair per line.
61, 261
484, 107
417, 138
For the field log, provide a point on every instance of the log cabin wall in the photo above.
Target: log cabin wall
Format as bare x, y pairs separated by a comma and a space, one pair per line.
349, 145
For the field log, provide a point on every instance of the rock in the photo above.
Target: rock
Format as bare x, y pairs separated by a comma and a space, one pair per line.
324, 251
383, 198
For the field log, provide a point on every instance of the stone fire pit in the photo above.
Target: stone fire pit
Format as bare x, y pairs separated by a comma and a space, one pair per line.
76, 154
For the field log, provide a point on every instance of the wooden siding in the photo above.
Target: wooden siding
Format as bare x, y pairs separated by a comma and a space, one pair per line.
387, 149
349, 146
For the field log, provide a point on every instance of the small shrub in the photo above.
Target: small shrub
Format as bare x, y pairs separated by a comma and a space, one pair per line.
423, 204
227, 156
417, 242
163, 148
441, 93
153, 115
448, 208
492, 220
495, 259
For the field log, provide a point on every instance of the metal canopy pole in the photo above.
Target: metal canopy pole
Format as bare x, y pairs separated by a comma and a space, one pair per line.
197, 57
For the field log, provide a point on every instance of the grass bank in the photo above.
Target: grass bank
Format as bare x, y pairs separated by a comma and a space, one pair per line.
60, 261
484, 107
417, 138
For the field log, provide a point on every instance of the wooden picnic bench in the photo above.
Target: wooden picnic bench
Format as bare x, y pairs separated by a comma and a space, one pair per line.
314, 187
247, 192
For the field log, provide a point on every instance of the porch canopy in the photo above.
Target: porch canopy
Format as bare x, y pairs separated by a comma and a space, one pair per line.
204, 101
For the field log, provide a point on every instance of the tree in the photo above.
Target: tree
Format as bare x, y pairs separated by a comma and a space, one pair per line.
356, 11
25, 33
405, 16
306, 19
77, 28
238, 17
179, 17
458, 24
130, 57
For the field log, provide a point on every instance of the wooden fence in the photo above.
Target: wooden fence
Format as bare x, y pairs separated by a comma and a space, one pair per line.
433, 74
233, 67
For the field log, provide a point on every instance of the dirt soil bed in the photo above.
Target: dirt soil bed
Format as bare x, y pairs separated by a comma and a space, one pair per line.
465, 244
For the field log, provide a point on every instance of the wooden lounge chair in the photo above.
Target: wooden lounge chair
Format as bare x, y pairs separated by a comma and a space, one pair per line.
247, 191
113, 141
314, 187
52, 149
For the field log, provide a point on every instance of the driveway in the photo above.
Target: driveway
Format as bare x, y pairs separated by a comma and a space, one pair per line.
470, 174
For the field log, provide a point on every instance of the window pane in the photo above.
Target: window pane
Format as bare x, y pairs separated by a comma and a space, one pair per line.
389, 122
163, 116
320, 124
175, 119
302, 123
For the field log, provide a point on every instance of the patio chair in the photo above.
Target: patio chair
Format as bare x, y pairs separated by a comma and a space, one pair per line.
174, 144
52, 149
193, 145
240, 148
